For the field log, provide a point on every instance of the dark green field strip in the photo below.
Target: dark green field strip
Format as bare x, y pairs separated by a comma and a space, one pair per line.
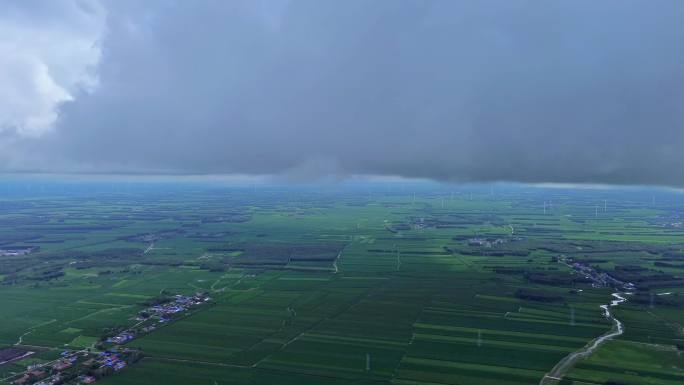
642, 325
316, 301
283, 377
488, 354
356, 341
152, 371
378, 312
437, 371
500, 335
565, 319
333, 303
323, 372
633, 369
296, 284
199, 351
333, 356
562, 314
571, 317
465, 310
212, 333
597, 377
483, 339
503, 323
363, 328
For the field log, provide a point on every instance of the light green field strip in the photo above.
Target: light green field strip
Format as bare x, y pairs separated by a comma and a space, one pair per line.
500, 299
176, 349
110, 310
129, 295
419, 325
367, 278
428, 376
279, 341
520, 316
83, 341
560, 313
108, 305
120, 283
48, 322
350, 340
484, 368
535, 319
245, 311
411, 382
485, 341
224, 329
457, 312
292, 366
601, 377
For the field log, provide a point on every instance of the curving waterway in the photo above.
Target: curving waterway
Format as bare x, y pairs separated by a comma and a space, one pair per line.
570, 360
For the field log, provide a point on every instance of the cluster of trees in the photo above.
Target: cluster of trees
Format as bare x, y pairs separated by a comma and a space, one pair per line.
646, 298
161, 299
46, 274
669, 265
214, 266
538, 295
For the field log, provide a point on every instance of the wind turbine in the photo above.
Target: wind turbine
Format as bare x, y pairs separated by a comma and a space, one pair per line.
572, 316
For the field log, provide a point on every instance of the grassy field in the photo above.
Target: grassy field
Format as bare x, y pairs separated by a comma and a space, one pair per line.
351, 284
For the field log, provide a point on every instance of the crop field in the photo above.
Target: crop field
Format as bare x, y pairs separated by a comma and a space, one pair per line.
406, 284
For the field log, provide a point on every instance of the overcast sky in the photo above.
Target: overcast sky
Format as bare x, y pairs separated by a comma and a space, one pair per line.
530, 91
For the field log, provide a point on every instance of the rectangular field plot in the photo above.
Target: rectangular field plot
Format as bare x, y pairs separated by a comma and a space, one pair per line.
371, 285
626, 362
490, 339
240, 329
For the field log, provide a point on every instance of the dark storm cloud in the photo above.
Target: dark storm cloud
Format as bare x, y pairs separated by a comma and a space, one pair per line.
532, 91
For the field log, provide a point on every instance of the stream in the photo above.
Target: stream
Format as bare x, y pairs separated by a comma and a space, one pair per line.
564, 365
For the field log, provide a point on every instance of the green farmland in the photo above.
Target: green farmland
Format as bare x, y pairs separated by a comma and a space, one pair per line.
420, 284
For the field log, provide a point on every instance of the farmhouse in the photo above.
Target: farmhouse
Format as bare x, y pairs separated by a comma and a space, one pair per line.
23, 380
62, 365
17, 251
87, 380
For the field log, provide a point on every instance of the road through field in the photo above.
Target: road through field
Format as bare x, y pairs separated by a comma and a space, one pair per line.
563, 366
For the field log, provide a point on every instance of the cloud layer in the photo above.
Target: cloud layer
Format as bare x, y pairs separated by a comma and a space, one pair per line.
48, 52
532, 91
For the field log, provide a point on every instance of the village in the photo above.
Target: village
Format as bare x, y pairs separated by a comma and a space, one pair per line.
77, 367
598, 278
158, 314
18, 251
486, 242
88, 366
